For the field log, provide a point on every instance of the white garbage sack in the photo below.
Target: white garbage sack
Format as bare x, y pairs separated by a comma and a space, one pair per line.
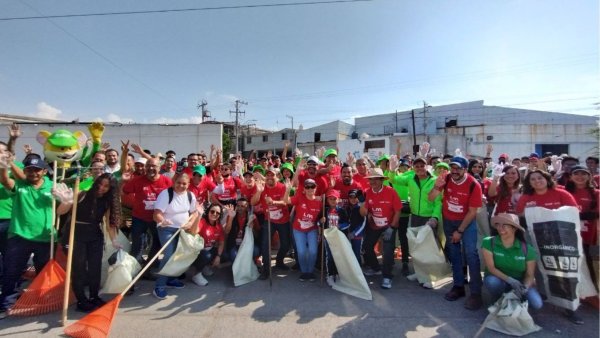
428, 258
510, 316
351, 279
244, 269
188, 249
555, 234
121, 273
109, 250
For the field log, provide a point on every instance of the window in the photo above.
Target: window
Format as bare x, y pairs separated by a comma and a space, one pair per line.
317, 137
265, 138
374, 144
284, 136
249, 140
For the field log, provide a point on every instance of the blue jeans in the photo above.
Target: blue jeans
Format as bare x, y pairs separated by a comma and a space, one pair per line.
356, 247
18, 250
139, 228
371, 238
497, 287
306, 243
469, 241
164, 234
205, 257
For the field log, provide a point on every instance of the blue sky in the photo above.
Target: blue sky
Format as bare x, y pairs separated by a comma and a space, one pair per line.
316, 62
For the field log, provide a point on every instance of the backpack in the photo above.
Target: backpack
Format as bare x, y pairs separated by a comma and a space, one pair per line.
170, 192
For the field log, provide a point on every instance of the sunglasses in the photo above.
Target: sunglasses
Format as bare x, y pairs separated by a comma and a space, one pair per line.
310, 187
214, 212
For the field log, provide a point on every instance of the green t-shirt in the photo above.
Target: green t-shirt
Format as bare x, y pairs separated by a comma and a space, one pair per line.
511, 261
6, 200
32, 211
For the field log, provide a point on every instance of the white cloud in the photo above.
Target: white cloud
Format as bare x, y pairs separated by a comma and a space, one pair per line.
183, 120
46, 111
118, 119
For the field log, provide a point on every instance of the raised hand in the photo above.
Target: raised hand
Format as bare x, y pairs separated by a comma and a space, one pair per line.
125, 146
105, 146
27, 149
14, 131
63, 193
136, 148
96, 130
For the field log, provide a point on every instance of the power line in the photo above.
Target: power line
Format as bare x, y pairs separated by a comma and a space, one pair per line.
310, 3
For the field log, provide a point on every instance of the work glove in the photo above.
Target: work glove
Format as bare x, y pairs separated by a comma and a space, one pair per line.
517, 287
63, 193
387, 234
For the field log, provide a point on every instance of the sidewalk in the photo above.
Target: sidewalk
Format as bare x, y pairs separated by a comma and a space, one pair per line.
297, 309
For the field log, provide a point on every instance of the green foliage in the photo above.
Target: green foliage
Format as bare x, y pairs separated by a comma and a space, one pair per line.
226, 145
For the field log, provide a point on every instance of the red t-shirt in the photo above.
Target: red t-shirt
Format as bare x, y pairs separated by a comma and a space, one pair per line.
307, 213
507, 204
336, 172
362, 180
382, 206
212, 234
458, 198
343, 189
322, 183
551, 199
589, 228
145, 192
277, 213
200, 190
230, 186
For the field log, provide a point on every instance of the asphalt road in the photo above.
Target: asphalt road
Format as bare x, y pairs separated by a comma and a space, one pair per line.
297, 309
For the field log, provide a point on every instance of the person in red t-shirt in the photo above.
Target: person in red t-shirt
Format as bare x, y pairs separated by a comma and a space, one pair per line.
211, 230
581, 186
330, 169
310, 172
146, 188
345, 184
230, 185
308, 207
462, 197
383, 208
539, 190
361, 173
270, 196
505, 189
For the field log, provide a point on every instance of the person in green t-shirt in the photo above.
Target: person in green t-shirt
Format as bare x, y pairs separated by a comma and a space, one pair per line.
31, 222
510, 261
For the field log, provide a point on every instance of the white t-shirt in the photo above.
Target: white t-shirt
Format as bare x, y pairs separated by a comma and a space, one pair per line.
180, 208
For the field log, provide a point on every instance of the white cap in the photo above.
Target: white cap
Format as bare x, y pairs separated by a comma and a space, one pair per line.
141, 160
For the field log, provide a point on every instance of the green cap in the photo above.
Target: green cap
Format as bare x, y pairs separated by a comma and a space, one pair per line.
62, 138
330, 152
443, 165
199, 169
288, 166
258, 168
385, 157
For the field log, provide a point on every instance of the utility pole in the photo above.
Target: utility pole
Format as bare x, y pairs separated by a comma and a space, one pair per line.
204, 111
415, 146
396, 120
237, 113
425, 106
293, 130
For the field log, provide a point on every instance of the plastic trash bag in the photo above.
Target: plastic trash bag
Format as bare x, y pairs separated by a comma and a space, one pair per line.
188, 249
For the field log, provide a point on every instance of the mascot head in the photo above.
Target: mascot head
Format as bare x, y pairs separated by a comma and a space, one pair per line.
62, 146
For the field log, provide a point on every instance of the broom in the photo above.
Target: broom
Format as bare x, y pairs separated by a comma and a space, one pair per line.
97, 324
323, 244
65, 304
45, 293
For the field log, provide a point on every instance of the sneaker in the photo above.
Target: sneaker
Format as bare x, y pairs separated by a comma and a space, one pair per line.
474, 302
97, 301
208, 271
282, 266
331, 280
573, 317
303, 277
386, 283
175, 284
160, 293
199, 279
312, 277
85, 306
405, 271
455, 293
371, 272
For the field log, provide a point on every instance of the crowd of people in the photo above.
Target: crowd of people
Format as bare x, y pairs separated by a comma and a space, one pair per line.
373, 202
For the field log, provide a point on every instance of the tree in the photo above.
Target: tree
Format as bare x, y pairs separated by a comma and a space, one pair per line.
226, 145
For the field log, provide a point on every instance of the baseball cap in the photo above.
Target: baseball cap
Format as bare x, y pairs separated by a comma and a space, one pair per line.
199, 169
403, 162
330, 152
580, 168
258, 168
313, 159
459, 161
419, 159
443, 165
141, 160
503, 155
34, 162
534, 155
384, 157
309, 181
332, 193
62, 138
354, 193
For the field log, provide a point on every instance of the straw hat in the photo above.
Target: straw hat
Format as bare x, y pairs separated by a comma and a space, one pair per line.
504, 218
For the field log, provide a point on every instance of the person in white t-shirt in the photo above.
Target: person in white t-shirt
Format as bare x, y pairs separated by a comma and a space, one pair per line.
174, 208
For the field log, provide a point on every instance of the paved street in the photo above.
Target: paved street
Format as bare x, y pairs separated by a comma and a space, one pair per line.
296, 309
